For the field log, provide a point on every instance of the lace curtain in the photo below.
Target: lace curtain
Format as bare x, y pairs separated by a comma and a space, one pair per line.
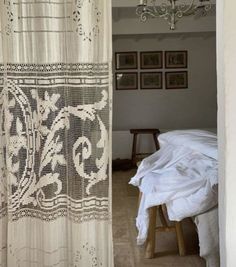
55, 113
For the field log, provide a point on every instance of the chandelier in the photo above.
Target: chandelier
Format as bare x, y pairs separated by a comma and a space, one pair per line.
172, 11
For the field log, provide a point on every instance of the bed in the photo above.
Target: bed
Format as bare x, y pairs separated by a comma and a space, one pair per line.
183, 175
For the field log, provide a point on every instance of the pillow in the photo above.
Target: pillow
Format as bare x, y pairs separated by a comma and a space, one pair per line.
202, 141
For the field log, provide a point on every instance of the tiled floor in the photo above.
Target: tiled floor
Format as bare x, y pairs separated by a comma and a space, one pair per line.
127, 253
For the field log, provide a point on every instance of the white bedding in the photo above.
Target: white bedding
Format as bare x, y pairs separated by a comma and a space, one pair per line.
182, 174
202, 141
208, 233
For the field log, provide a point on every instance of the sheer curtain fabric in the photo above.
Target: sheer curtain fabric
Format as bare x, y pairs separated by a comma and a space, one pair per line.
55, 111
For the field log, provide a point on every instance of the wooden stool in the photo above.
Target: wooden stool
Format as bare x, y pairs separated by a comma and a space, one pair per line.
152, 229
135, 132
156, 210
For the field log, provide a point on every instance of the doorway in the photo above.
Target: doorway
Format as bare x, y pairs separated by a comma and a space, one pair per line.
137, 108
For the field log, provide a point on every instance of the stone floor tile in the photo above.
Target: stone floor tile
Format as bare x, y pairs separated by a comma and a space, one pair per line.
126, 251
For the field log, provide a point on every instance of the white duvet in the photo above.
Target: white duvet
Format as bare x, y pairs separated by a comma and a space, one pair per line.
182, 174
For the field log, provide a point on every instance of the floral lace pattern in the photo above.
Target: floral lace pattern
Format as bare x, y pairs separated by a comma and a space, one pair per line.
49, 141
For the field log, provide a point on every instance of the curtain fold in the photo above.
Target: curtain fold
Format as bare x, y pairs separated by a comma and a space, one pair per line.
55, 130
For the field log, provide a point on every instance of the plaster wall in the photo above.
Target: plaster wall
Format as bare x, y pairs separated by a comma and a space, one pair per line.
194, 107
226, 64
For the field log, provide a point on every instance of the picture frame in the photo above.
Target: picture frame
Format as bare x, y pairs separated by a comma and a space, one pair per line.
126, 80
126, 60
176, 59
176, 80
150, 80
151, 60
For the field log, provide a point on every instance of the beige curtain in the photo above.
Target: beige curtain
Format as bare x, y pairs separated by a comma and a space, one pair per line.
55, 113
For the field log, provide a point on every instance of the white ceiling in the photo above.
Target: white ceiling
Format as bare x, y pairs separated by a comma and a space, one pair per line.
132, 3
126, 22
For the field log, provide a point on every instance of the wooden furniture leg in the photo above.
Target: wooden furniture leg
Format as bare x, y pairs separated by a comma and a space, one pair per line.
150, 243
156, 141
152, 229
180, 238
162, 216
134, 149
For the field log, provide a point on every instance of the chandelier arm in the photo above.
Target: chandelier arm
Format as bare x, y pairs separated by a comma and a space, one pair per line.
170, 12
169, 15
143, 12
186, 8
191, 9
163, 9
140, 10
154, 6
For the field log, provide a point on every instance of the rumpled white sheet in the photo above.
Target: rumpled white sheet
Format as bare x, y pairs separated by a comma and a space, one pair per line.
179, 175
202, 141
208, 233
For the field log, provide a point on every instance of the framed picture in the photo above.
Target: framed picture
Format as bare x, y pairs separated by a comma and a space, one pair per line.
126, 60
126, 81
176, 80
151, 60
151, 80
176, 59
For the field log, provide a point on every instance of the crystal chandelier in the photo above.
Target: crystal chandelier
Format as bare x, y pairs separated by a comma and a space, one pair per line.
172, 11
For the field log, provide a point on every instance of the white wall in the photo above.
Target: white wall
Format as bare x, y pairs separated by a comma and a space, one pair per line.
226, 41
221, 130
164, 109
194, 107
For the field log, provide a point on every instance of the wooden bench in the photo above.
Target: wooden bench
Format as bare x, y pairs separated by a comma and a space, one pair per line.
152, 229
136, 132
157, 210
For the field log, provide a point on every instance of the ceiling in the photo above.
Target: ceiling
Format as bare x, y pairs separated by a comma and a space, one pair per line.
126, 22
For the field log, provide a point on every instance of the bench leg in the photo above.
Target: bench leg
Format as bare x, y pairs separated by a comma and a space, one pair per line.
180, 238
134, 149
156, 142
150, 243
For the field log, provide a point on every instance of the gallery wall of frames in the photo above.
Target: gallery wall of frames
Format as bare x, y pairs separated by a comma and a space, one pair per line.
149, 70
